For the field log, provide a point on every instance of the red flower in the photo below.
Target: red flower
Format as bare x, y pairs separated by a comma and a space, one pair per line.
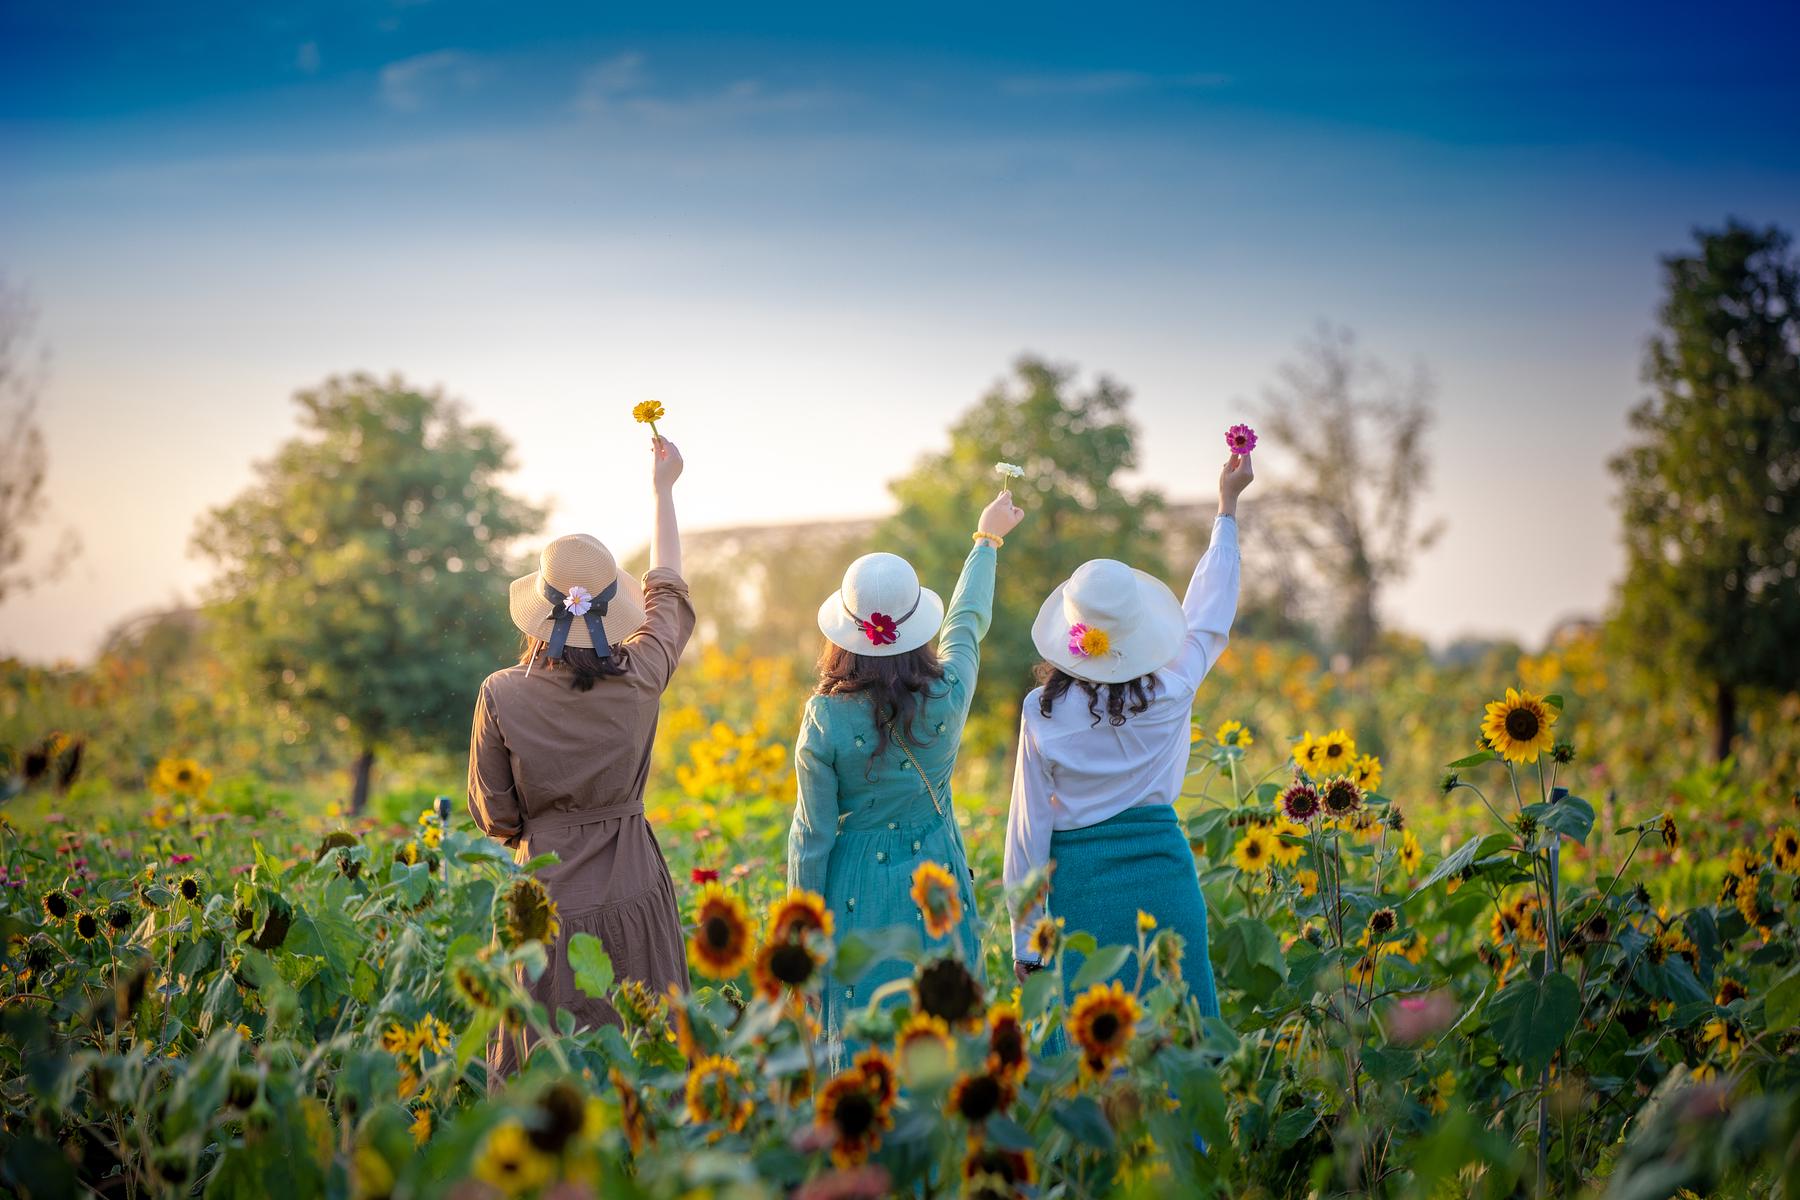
704, 875
181, 859
880, 629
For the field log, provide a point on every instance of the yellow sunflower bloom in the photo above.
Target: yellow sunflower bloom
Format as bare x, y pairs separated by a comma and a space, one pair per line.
1308, 882
1366, 771
798, 914
721, 943
1519, 728
848, 1109
1254, 851
1724, 1035
1412, 855
1102, 1022
510, 1162
934, 891
1234, 733
714, 1094
1332, 754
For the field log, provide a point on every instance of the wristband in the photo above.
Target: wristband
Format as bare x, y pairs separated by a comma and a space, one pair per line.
992, 539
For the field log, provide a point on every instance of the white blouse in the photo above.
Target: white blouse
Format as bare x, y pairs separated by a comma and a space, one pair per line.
1072, 773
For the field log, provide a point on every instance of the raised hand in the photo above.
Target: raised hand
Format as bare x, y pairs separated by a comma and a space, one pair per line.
1236, 475
1001, 516
668, 464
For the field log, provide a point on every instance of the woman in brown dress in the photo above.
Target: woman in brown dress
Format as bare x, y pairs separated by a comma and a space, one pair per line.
560, 753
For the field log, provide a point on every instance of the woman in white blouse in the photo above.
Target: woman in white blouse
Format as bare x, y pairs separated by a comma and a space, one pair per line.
1098, 773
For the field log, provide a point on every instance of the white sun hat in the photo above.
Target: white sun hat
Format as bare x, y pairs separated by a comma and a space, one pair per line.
882, 610
577, 597
1109, 623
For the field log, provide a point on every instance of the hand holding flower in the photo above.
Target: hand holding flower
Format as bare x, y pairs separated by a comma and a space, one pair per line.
1236, 475
1001, 516
668, 464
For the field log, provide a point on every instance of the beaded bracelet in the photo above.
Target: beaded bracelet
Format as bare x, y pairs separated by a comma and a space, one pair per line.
993, 539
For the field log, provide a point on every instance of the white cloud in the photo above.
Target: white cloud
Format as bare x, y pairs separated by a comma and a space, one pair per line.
621, 85
605, 82
1105, 83
412, 84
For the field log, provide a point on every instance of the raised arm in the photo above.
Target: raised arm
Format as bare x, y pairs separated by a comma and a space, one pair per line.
493, 800
657, 644
1212, 594
665, 538
971, 608
814, 829
1028, 830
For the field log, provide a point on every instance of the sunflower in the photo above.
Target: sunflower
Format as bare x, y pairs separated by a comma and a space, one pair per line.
1102, 1022
1361, 973
557, 1118
1007, 1046
474, 986
510, 1162
848, 1109
119, 916
993, 1173
877, 1067
1725, 1035
944, 988
396, 1040
1729, 990
189, 889
1341, 798
1234, 733
631, 1112
1412, 947
799, 914
57, 905
1519, 727
88, 926
420, 1127
1411, 853
1300, 802
1438, 1092
1254, 851
721, 944
1288, 844
528, 914
1307, 880
783, 964
1366, 772
979, 1096
1785, 849
924, 1035
1382, 922
934, 891
1331, 754
431, 1034
1046, 938
1165, 956
713, 1094
639, 1007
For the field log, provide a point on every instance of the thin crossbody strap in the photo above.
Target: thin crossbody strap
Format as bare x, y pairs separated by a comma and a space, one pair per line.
894, 736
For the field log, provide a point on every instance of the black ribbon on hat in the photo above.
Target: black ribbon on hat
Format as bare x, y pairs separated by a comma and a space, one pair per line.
565, 620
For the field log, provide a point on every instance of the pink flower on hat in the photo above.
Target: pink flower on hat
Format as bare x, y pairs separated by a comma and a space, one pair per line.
881, 629
1085, 641
1240, 439
578, 600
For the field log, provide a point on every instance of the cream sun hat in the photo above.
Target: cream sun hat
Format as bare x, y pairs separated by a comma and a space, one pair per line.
577, 597
1109, 623
882, 610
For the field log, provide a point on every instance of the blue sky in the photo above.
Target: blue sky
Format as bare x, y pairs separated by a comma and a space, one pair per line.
797, 225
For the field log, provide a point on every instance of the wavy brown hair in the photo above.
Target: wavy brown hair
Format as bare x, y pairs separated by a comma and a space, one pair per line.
1122, 699
582, 664
893, 683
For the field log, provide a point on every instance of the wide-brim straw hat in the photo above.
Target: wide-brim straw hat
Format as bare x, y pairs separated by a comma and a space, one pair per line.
881, 599
1138, 620
577, 560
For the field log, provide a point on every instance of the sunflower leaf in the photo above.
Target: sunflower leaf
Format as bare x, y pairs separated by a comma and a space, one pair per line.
1530, 1017
592, 965
1474, 760
1100, 966
1554, 700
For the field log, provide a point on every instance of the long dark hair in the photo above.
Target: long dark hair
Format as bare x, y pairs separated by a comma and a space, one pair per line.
582, 664
1122, 699
894, 685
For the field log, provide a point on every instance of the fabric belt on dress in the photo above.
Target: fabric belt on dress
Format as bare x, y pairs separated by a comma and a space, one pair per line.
569, 818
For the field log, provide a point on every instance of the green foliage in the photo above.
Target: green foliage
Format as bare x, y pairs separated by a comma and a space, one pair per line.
1074, 445
361, 576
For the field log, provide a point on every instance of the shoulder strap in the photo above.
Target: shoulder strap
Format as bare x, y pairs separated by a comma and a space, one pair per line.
894, 736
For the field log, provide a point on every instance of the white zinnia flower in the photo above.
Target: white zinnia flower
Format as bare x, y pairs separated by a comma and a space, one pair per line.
1011, 469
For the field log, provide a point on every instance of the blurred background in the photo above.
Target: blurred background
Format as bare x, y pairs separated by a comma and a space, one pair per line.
318, 319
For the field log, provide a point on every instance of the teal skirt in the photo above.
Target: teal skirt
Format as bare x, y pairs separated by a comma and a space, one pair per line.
1137, 860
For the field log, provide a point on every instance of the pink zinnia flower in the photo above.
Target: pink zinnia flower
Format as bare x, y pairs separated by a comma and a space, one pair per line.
245, 869
1240, 439
181, 859
704, 875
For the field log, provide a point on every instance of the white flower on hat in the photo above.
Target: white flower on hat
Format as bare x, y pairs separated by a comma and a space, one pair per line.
578, 600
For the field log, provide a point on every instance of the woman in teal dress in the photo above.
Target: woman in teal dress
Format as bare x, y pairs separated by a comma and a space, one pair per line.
877, 745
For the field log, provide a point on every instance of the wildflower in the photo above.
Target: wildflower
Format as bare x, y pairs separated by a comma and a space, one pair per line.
1102, 1022
1009, 470
1786, 849
944, 988
721, 943
783, 964
1307, 881
1240, 439
1412, 947
701, 875
1145, 922
1046, 938
1300, 802
1519, 727
396, 1040
474, 986
180, 777
1254, 850
529, 915
1365, 772
181, 860
87, 926
934, 891
1412, 855
510, 1162
978, 1096
1234, 733
648, 412
1007, 1056
1439, 1091
1745, 864
57, 905
847, 1109
558, 1116
631, 1112
1341, 798
800, 914
1725, 1035
712, 1094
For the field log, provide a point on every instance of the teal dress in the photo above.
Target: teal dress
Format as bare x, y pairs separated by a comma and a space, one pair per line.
860, 829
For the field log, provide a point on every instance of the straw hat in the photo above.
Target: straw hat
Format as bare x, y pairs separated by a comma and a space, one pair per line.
881, 610
1109, 623
578, 580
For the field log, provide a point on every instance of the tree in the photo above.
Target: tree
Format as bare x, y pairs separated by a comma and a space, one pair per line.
1358, 431
1711, 485
363, 575
22, 456
1073, 445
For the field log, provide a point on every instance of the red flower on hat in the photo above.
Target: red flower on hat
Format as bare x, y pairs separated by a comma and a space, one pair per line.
881, 629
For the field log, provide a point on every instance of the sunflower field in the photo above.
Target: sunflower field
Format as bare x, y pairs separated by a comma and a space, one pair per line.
1464, 947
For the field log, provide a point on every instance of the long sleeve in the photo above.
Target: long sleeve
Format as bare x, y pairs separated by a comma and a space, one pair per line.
1028, 830
814, 829
668, 623
966, 622
1210, 604
493, 800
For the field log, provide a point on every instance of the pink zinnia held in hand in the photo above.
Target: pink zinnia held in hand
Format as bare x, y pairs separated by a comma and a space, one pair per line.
1240, 439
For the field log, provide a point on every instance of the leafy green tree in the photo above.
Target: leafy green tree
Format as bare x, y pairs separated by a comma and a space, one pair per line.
362, 577
1711, 484
1073, 445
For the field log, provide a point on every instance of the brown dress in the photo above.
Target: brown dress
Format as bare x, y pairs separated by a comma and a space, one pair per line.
554, 769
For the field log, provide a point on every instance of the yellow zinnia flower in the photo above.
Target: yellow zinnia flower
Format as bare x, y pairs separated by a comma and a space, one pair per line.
1519, 727
647, 412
